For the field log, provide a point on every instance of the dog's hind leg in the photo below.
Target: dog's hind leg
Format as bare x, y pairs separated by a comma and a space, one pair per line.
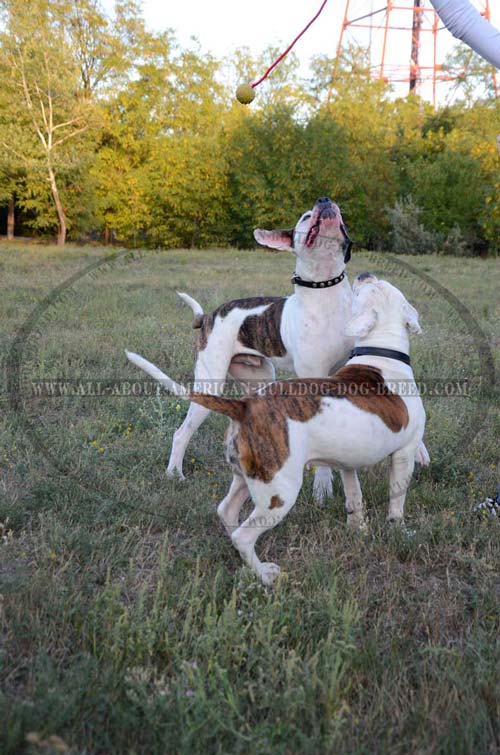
210, 375
194, 418
353, 499
229, 508
322, 485
402, 465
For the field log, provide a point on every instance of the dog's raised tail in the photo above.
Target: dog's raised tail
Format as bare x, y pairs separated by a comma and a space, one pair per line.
176, 388
233, 408
197, 308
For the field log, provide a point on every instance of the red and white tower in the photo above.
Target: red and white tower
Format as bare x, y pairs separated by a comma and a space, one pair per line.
407, 42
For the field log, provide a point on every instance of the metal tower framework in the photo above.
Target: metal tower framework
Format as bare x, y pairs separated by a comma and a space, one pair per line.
400, 32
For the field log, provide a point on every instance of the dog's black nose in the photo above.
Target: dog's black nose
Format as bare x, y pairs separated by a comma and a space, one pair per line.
364, 276
324, 200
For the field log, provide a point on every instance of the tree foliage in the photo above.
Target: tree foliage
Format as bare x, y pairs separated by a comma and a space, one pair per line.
112, 129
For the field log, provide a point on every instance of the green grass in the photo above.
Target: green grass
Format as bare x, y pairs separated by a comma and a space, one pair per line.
128, 624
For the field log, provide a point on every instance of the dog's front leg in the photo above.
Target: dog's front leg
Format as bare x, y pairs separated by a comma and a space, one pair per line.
402, 464
272, 504
229, 508
353, 499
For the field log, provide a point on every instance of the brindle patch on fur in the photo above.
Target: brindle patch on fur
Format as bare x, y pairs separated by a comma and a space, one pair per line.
262, 332
203, 323
263, 445
361, 384
267, 332
231, 447
250, 303
371, 394
276, 502
262, 441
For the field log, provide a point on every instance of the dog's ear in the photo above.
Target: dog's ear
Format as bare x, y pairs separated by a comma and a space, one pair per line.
360, 325
282, 240
347, 244
411, 319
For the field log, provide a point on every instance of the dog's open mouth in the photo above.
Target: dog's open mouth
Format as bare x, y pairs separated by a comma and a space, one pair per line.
313, 233
325, 216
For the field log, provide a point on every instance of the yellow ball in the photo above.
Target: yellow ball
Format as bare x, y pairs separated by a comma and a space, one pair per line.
245, 94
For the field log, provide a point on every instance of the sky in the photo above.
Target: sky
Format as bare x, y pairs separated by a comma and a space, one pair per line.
223, 25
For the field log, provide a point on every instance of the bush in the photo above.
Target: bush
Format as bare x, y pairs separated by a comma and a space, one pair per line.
457, 244
450, 187
408, 235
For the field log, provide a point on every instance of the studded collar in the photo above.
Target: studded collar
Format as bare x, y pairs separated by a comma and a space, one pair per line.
297, 280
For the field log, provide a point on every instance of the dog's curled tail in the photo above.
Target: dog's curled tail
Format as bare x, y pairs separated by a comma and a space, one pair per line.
197, 309
176, 388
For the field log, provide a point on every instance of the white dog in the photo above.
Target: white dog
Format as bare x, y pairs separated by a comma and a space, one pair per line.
368, 410
302, 333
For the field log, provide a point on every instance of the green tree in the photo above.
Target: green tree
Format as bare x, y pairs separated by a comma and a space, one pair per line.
363, 110
129, 125
106, 46
450, 190
11, 175
474, 76
58, 59
476, 135
159, 170
42, 89
186, 168
453, 175
265, 169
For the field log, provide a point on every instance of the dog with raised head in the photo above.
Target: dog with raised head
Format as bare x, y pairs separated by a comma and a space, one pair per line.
367, 411
302, 333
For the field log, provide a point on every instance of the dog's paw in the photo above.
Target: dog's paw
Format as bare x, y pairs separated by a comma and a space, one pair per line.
398, 525
175, 473
268, 572
357, 522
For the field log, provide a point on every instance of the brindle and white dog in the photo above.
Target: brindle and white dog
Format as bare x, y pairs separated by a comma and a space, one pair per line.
302, 333
368, 410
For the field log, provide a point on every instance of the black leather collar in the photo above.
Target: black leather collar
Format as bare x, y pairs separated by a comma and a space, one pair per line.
365, 351
318, 284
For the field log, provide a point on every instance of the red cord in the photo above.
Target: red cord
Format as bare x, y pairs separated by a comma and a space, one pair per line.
278, 60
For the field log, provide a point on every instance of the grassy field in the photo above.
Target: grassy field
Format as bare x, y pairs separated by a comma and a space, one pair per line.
127, 622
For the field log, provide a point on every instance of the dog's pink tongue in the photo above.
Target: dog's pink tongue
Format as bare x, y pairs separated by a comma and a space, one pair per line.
312, 235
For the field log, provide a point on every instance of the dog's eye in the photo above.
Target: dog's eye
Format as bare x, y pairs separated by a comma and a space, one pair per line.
305, 217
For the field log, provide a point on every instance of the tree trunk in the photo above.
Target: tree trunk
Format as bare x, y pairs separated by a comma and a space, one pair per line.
195, 234
61, 236
10, 219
